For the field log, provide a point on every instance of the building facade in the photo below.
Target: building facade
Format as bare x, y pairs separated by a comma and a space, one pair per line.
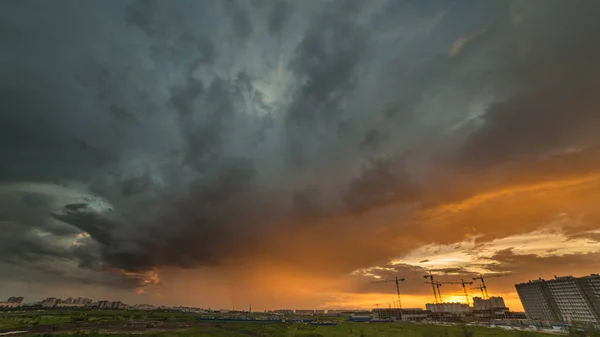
391, 313
454, 307
487, 304
568, 299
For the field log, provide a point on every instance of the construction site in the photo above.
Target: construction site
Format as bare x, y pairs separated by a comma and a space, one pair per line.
481, 308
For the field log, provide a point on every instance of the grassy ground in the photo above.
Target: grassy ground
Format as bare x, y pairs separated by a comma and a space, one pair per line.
341, 330
110, 323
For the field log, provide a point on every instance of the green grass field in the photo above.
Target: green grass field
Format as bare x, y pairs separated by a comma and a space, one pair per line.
110, 323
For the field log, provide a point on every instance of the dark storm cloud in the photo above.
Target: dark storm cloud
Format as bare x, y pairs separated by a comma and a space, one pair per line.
149, 16
380, 183
551, 107
327, 61
244, 140
280, 14
241, 24
182, 97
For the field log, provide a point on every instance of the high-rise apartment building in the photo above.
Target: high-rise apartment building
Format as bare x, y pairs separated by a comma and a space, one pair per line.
568, 299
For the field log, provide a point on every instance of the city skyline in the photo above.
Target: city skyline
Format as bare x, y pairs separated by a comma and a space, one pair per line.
475, 302
290, 153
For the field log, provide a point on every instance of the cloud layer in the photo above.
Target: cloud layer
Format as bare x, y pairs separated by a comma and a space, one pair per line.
146, 135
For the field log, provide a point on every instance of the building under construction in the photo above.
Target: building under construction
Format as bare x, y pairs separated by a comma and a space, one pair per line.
396, 314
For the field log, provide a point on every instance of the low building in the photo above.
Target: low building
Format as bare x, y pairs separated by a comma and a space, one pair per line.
12, 302
103, 304
145, 307
118, 305
8, 305
305, 312
415, 315
284, 311
387, 313
17, 300
488, 314
83, 300
453, 307
69, 305
359, 318
49, 302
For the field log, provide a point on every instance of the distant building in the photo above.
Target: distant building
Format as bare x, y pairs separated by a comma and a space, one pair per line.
118, 305
83, 300
17, 300
360, 318
68, 300
103, 304
387, 313
415, 314
454, 307
487, 304
284, 311
145, 307
397, 314
568, 299
12, 302
49, 302
305, 312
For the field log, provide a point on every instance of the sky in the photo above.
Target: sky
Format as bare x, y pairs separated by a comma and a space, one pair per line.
287, 154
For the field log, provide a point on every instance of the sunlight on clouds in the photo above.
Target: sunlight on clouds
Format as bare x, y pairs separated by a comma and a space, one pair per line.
510, 192
369, 272
474, 256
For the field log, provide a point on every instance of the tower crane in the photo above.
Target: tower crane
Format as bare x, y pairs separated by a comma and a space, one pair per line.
464, 285
397, 281
482, 278
436, 291
436, 295
480, 287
